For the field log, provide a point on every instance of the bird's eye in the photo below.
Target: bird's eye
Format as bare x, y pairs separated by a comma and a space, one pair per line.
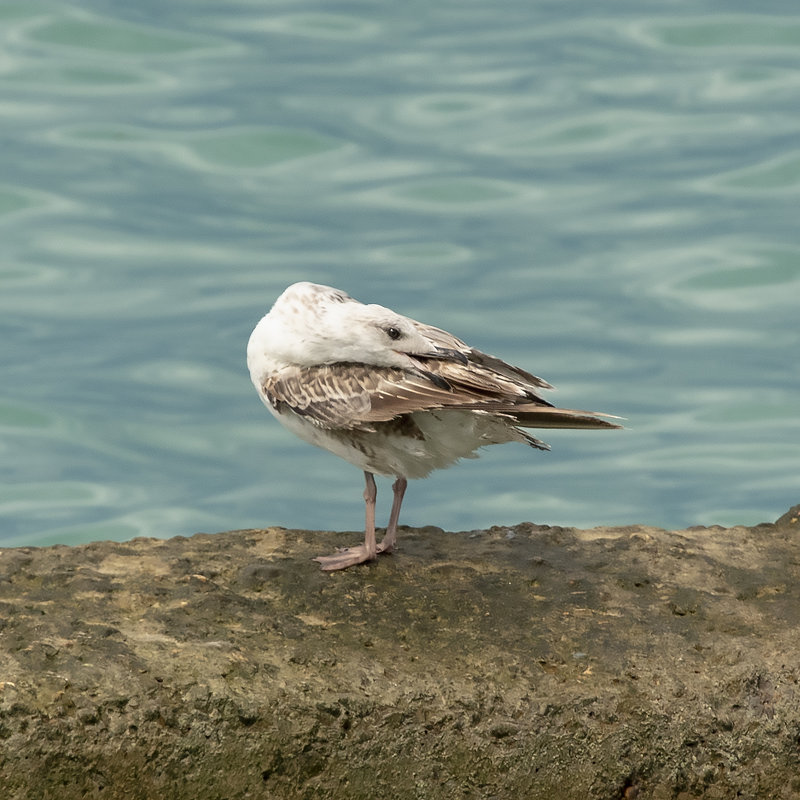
393, 333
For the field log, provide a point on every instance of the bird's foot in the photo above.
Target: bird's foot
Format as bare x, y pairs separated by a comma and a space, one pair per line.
346, 557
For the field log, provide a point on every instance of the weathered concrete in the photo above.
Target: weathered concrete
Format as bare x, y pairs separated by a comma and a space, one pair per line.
525, 662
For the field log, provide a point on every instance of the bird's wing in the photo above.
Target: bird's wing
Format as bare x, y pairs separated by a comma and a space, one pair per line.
488, 384
480, 360
353, 396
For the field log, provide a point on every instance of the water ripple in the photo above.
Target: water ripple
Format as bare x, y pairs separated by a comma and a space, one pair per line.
226, 151
426, 254
725, 276
779, 174
753, 83
18, 201
338, 27
753, 32
124, 40
608, 132
453, 195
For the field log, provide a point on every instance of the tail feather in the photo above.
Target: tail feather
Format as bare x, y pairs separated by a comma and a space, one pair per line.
534, 416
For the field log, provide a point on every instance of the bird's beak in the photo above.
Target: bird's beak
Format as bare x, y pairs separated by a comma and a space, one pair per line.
444, 354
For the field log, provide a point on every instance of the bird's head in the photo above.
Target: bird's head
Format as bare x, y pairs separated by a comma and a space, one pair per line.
310, 325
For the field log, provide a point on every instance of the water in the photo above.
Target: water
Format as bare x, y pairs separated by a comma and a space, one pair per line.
607, 196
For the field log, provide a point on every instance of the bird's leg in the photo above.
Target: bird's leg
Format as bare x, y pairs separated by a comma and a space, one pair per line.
399, 489
370, 496
362, 552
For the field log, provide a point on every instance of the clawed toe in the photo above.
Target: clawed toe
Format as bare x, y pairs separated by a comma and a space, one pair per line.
350, 556
346, 557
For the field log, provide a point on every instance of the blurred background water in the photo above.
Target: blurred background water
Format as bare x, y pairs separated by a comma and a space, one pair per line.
606, 194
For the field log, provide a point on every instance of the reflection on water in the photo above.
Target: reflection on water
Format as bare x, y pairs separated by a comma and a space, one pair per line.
605, 196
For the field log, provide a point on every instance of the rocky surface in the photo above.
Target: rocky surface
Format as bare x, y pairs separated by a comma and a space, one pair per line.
530, 662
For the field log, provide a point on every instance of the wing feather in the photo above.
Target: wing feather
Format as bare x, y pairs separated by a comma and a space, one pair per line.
354, 396
476, 358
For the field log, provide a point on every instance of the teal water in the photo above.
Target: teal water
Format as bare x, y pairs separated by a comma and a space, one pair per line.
605, 194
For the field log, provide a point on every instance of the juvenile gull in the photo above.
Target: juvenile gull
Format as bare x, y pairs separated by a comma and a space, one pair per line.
391, 395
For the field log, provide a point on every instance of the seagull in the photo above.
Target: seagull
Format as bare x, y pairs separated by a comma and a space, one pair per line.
393, 396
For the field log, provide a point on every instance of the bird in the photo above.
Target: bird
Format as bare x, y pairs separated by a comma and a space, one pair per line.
392, 396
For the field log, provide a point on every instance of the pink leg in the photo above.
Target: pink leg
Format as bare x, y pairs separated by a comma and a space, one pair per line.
389, 540
370, 496
362, 552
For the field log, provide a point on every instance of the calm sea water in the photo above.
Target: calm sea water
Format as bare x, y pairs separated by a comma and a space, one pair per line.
606, 194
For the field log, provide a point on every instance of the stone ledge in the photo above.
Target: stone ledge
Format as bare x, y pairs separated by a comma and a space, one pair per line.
527, 661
